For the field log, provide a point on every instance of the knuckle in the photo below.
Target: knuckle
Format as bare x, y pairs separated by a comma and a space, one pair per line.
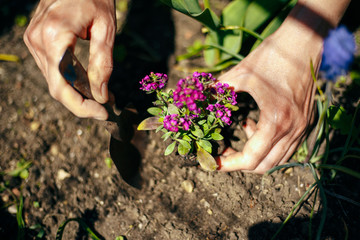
30, 36
50, 29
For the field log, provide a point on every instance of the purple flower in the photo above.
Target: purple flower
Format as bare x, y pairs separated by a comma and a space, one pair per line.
174, 122
171, 122
221, 112
153, 81
223, 92
188, 92
339, 49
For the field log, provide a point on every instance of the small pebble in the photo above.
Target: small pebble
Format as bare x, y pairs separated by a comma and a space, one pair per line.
205, 203
62, 174
34, 126
79, 132
188, 186
54, 149
12, 209
209, 211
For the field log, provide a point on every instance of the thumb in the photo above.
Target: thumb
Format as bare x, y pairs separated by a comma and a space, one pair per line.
101, 59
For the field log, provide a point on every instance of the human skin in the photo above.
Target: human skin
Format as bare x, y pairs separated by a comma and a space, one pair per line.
277, 75
55, 26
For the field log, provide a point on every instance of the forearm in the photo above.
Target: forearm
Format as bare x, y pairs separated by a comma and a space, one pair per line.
316, 17
303, 31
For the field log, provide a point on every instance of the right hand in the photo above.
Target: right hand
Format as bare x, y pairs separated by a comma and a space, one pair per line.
56, 25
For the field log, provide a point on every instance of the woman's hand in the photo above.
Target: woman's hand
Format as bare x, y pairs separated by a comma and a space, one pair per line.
277, 75
56, 26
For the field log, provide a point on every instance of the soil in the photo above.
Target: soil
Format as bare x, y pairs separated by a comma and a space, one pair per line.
70, 179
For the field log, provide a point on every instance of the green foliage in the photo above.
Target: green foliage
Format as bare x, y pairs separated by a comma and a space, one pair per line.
190, 116
21, 169
339, 119
21, 20
240, 28
108, 162
82, 224
331, 118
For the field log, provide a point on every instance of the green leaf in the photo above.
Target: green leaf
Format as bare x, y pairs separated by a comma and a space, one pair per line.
217, 136
207, 162
170, 148
233, 15
210, 119
187, 138
198, 133
262, 11
184, 143
159, 128
202, 122
172, 109
83, 225
150, 123
217, 130
182, 150
24, 174
155, 111
206, 129
20, 219
108, 162
205, 145
339, 119
21, 166
166, 135
184, 147
232, 107
192, 8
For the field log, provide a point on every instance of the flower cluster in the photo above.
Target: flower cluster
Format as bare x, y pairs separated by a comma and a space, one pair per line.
153, 81
221, 112
192, 114
224, 93
173, 122
189, 91
338, 55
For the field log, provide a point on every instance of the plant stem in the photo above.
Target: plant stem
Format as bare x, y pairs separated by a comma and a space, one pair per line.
293, 209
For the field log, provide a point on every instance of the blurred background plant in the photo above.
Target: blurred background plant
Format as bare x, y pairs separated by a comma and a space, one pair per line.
11, 185
239, 29
316, 153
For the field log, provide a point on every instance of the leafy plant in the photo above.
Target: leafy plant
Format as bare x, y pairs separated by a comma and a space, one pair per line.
338, 53
239, 29
192, 115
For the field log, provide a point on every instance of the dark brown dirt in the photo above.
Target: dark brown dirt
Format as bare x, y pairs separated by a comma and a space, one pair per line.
69, 177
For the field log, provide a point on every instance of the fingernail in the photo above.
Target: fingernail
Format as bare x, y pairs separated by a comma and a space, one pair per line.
243, 123
218, 162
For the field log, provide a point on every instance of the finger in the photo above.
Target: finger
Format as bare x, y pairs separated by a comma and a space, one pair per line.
72, 100
228, 151
100, 59
60, 89
255, 150
279, 152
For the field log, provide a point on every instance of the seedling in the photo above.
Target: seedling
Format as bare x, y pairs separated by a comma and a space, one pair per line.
192, 115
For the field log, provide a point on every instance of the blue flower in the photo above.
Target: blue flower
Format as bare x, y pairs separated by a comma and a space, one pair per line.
339, 49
